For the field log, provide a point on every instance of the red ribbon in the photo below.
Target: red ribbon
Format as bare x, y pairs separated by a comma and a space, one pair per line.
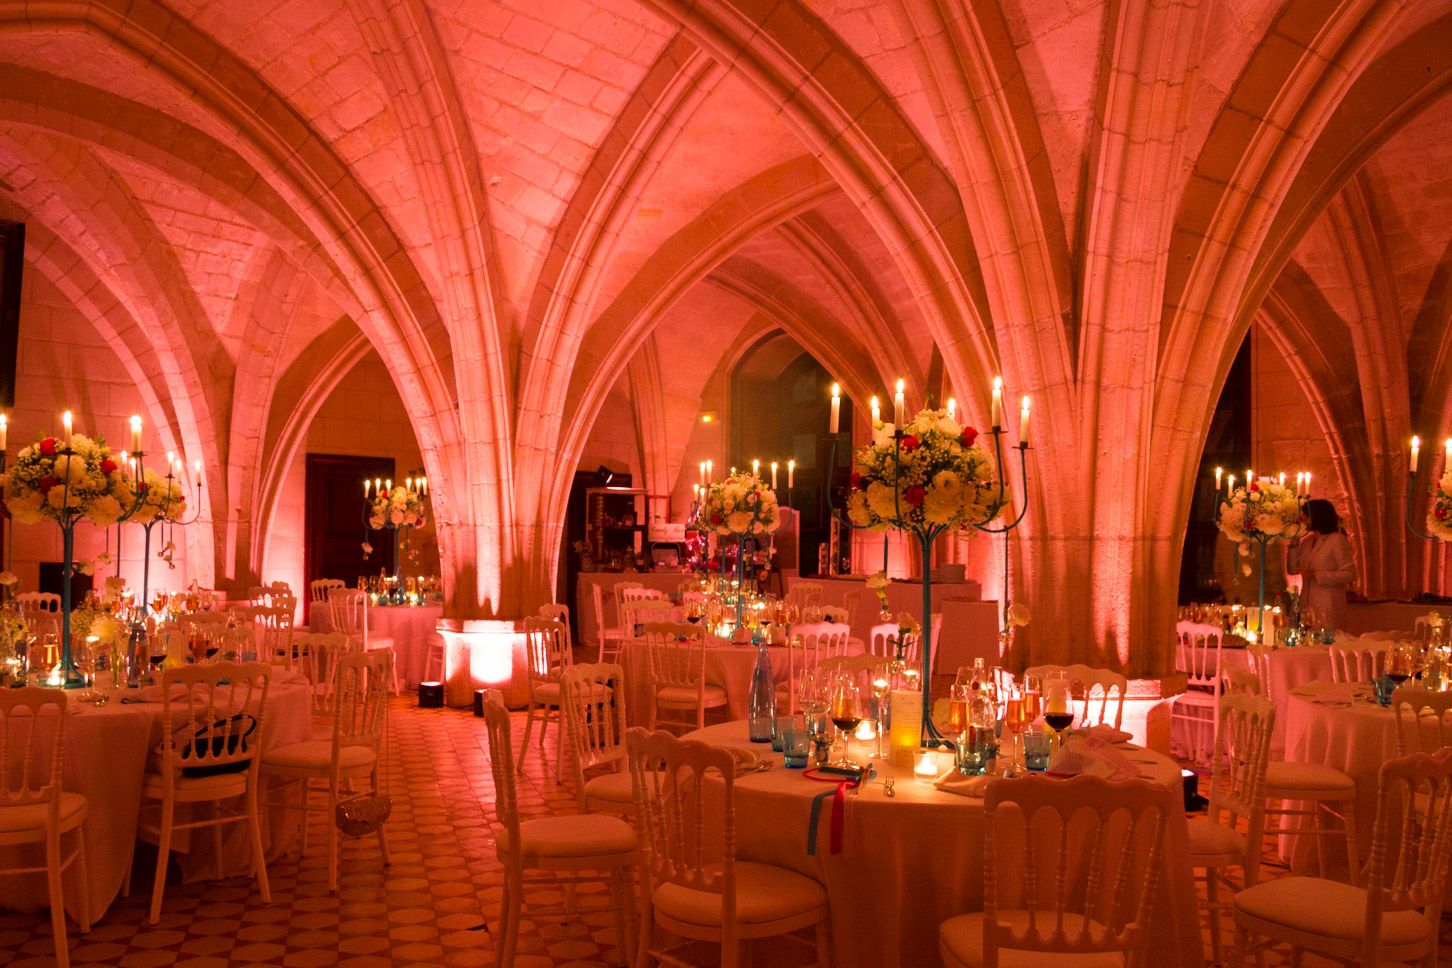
839, 815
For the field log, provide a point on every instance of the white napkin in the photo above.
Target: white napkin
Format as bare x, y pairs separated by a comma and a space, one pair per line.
965, 786
1108, 734
1092, 756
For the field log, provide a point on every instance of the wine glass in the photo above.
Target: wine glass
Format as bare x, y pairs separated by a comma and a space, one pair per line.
1058, 707
881, 686
83, 654
846, 711
960, 695
1033, 697
1015, 710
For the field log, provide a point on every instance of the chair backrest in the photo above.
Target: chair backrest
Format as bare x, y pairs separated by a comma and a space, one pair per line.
594, 705
667, 775
1085, 682
882, 641
1257, 655
641, 594
1117, 836
1198, 655
501, 763
39, 602
274, 627
1410, 841
1241, 682
835, 614
851, 602
560, 613
546, 649
676, 654
320, 589
805, 594
1246, 725
863, 668
1357, 665
1424, 719
212, 715
621, 587
348, 608
360, 704
639, 612
597, 596
821, 642
32, 746
318, 654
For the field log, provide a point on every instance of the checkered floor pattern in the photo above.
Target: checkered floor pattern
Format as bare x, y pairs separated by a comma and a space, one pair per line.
428, 908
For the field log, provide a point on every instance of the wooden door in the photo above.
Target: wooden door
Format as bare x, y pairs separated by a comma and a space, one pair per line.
335, 520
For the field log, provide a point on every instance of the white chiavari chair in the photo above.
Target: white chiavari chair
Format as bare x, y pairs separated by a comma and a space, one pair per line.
676, 660
595, 724
1424, 719
1198, 657
1352, 664
691, 882
1118, 836
565, 851
360, 725
350, 610
212, 720
547, 657
611, 637
805, 594
637, 613
318, 655
33, 807
1391, 911
41, 611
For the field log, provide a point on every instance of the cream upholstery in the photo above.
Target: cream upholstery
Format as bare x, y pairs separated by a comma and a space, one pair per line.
611, 788
961, 941
1319, 906
1294, 781
585, 835
317, 755
685, 697
33, 816
764, 894
1212, 840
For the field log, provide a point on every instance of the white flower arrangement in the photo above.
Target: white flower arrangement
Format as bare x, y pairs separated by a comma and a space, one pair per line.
1439, 516
1265, 508
740, 504
937, 475
398, 508
86, 482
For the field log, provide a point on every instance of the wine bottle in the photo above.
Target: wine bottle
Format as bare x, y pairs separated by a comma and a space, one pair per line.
761, 700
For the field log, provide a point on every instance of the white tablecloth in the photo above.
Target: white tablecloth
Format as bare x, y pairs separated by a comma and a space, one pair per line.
411, 627
911, 862
105, 759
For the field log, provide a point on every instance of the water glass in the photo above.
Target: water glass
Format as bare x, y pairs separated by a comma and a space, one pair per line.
977, 751
782, 724
796, 741
1036, 747
1383, 686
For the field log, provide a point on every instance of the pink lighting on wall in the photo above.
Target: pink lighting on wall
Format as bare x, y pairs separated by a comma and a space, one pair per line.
482, 654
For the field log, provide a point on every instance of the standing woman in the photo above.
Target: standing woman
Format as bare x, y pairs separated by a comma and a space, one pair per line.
1323, 560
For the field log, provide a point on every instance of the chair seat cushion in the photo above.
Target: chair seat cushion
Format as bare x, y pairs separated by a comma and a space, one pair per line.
611, 787
1209, 840
764, 893
961, 941
32, 816
1307, 780
550, 692
317, 754
577, 835
1318, 906
193, 788
1195, 698
713, 695
379, 642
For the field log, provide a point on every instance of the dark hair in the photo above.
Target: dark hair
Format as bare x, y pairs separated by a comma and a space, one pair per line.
1322, 517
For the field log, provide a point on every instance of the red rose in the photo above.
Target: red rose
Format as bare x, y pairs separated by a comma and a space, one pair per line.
914, 495
47, 447
46, 483
856, 481
1254, 488
969, 435
1441, 513
107, 466
715, 517
909, 443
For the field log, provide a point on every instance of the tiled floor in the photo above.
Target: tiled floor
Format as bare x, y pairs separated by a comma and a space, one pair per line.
427, 908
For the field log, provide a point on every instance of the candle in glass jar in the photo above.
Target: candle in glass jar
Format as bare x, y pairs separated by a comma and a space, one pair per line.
925, 766
836, 419
866, 731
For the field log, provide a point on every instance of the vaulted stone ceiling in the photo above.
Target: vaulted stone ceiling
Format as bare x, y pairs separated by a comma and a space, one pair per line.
514, 203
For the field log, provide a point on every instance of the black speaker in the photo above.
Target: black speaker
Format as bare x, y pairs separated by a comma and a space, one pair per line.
12, 264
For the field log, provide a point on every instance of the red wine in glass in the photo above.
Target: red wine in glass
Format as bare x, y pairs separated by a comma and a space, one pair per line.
846, 723
1059, 722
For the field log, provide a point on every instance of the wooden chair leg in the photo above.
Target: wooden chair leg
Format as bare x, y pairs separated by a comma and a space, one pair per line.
259, 857
382, 836
1212, 902
620, 892
524, 746
57, 899
163, 854
83, 875
514, 902
332, 835
824, 944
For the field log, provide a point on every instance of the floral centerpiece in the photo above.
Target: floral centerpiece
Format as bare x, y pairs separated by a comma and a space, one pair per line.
66, 481
741, 504
935, 475
877, 584
156, 497
401, 507
1439, 516
47, 481
1261, 511
13, 631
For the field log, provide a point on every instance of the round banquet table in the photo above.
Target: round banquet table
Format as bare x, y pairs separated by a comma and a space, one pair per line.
910, 862
411, 627
105, 759
727, 665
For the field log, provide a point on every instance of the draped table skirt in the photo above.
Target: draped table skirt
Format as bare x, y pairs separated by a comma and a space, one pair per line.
910, 862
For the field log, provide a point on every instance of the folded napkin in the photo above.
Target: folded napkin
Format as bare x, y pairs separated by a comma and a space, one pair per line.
1108, 734
1092, 756
965, 786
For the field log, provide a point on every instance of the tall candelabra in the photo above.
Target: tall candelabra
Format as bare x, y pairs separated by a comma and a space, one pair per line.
1441, 529
168, 511
927, 533
395, 509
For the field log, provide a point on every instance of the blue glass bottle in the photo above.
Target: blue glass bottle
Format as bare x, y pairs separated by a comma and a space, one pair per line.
761, 700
